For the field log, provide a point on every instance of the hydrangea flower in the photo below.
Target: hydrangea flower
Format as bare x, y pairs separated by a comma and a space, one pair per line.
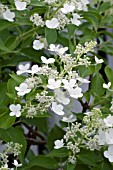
57, 108
38, 45
109, 153
58, 49
20, 6
52, 84
15, 110
23, 68
35, 69
61, 97
107, 86
52, 24
16, 163
69, 84
75, 92
75, 20
108, 121
83, 80
101, 137
67, 8
109, 136
47, 61
8, 15
23, 89
98, 61
58, 144
70, 118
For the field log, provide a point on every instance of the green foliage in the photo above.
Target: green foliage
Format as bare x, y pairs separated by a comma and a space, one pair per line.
16, 46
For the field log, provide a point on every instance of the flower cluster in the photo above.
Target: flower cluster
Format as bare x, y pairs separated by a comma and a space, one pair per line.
51, 89
11, 148
6, 14
93, 133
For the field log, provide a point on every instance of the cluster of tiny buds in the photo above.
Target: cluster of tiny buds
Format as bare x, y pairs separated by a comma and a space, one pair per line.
88, 46
37, 19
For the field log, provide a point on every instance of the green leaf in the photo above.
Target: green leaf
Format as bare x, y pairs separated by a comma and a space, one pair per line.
42, 161
5, 24
41, 123
32, 54
3, 96
109, 74
12, 42
6, 121
14, 135
19, 79
11, 84
86, 39
51, 35
3, 47
71, 29
104, 6
70, 166
97, 85
37, 3
62, 152
55, 134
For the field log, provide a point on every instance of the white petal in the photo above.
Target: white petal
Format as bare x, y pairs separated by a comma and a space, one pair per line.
37, 45
8, 15
53, 23
17, 88
35, 69
18, 107
12, 114
98, 61
21, 93
18, 114
12, 107
44, 59
51, 60
20, 5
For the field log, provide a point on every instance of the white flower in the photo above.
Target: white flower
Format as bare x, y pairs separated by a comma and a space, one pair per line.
15, 110
75, 20
98, 61
20, 6
35, 69
109, 121
79, 6
57, 108
83, 80
61, 97
69, 84
37, 45
67, 8
53, 23
109, 153
84, 2
17, 164
107, 86
101, 137
58, 49
75, 92
23, 89
58, 144
8, 15
47, 61
23, 68
70, 118
109, 136
52, 84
